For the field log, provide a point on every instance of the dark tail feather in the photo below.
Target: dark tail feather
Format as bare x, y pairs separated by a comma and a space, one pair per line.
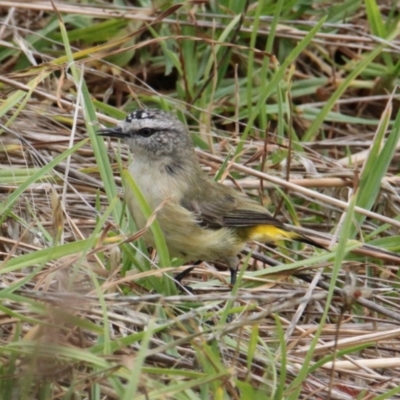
324, 241
305, 239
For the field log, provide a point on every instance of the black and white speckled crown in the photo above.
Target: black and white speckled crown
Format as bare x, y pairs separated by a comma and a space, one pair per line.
149, 113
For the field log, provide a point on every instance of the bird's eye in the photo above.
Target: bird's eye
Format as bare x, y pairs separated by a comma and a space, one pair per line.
145, 132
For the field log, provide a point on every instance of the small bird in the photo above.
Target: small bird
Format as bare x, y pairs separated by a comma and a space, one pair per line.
202, 220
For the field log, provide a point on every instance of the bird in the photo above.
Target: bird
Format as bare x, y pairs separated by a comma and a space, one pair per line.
201, 219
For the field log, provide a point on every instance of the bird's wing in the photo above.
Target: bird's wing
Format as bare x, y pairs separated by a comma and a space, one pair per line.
227, 210
242, 218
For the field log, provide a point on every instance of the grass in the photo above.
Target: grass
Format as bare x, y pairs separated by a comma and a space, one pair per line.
296, 103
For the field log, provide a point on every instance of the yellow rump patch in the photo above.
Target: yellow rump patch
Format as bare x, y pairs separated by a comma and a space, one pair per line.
269, 233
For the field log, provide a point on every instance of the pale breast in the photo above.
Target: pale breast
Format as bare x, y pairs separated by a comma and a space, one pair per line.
156, 185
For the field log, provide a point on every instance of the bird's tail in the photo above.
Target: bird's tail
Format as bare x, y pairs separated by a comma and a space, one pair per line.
304, 239
324, 241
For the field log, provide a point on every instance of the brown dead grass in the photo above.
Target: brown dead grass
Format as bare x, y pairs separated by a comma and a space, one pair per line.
364, 309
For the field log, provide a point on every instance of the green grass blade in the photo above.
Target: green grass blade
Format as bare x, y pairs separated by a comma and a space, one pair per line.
377, 163
355, 71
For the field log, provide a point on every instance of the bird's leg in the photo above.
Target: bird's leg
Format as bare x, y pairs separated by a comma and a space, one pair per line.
233, 264
178, 278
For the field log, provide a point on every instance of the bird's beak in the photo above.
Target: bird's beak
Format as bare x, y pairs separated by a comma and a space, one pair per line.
116, 131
